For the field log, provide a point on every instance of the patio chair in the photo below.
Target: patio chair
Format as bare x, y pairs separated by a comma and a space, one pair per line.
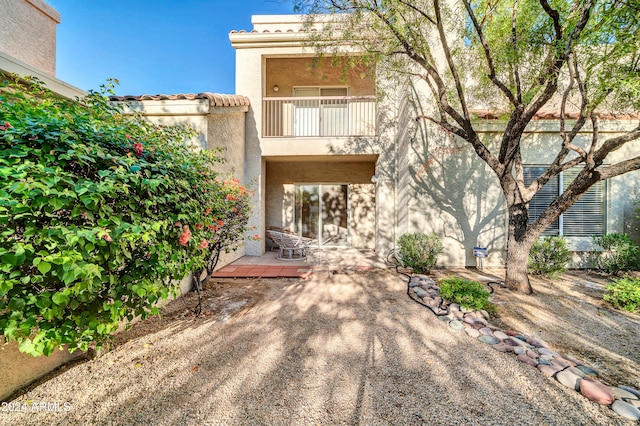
290, 247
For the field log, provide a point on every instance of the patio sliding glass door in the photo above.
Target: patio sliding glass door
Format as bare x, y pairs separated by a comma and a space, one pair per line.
322, 214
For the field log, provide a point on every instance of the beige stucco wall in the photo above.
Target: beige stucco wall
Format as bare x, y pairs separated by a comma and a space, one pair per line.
19, 369
28, 33
287, 73
282, 175
454, 194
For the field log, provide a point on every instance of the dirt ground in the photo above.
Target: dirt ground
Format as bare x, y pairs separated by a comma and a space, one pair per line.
343, 348
567, 312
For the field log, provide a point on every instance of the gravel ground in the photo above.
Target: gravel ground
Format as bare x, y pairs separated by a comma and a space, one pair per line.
334, 349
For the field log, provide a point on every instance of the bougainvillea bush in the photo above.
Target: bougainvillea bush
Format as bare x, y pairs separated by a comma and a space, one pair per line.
101, 215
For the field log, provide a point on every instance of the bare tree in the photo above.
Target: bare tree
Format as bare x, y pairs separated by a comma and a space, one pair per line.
516, 57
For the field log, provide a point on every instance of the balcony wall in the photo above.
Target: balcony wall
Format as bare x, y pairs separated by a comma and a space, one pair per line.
287, 73
327, 116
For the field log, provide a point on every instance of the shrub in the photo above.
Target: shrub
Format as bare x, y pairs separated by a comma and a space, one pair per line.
619, 253
101, 214
467, 293
624, 293
419, 251
549, 256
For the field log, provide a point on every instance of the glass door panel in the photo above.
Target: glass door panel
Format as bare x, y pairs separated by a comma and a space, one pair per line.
334, 215
322, 214
307, 210
306, 116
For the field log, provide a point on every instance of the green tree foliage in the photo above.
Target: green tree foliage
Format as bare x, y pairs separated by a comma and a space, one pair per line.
516, 58
101, 215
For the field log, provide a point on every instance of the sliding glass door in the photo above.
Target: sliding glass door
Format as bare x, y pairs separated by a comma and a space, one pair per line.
322, 213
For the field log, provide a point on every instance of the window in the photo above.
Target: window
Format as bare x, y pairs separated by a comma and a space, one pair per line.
583, 219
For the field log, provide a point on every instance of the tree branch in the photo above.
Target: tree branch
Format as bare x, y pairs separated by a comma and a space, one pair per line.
487, 53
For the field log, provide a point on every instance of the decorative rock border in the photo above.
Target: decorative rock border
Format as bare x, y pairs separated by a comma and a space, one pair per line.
568, 371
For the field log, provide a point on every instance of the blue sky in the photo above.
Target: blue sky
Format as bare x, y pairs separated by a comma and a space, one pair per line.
154, 46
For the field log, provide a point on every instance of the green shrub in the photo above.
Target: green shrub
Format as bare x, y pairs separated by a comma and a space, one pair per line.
549, 256
624, 293
101, 214
467, 293
620, 253
419, 251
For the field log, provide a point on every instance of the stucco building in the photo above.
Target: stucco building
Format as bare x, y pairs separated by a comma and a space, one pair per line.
332, 161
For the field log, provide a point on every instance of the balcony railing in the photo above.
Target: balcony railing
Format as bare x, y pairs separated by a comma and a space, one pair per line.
337, 116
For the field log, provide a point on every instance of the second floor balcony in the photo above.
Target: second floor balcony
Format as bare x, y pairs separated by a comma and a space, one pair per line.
319, 116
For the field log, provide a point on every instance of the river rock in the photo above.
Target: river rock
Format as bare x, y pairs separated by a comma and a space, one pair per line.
420, 292
634, 402
446, 318
537, 343
500, 335
632, 390
596, 391
472, 332
456, 325
469, 320
501, 347
621, 393
626, 410
532, 354
510, 342
484, 314
546, 351
566, 361
454, 307
546, 357
549, 370
486, 331
489, 340
569, 379
527, 360
519, 350
543, 361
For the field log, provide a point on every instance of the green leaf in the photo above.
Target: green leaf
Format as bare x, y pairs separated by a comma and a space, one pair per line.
44, 267
60, 299
16, 304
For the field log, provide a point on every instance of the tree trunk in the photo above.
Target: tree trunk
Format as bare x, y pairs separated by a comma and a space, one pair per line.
516, 278
518, 247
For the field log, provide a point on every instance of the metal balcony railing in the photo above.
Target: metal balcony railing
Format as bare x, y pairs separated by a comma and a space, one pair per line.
337, 116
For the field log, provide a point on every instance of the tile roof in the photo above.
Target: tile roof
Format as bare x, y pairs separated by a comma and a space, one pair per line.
555, 115
215, 99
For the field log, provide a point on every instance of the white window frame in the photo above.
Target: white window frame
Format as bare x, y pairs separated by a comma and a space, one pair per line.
583, 241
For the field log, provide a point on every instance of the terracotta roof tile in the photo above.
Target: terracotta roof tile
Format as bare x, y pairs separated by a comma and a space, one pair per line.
215, 99
555, 115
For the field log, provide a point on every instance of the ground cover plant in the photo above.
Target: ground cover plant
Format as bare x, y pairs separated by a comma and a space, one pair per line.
101, 215
467, 293
549, 256
419, 251
619, 253
624, 293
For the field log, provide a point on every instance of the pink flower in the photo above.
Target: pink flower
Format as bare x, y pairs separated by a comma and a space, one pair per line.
107, 238
256, 237
220, 223
203, 244
199, 226
185, 236
138, 147
206, 213
6, 126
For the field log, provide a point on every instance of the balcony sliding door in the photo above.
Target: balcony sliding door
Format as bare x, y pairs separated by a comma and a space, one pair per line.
318, 117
